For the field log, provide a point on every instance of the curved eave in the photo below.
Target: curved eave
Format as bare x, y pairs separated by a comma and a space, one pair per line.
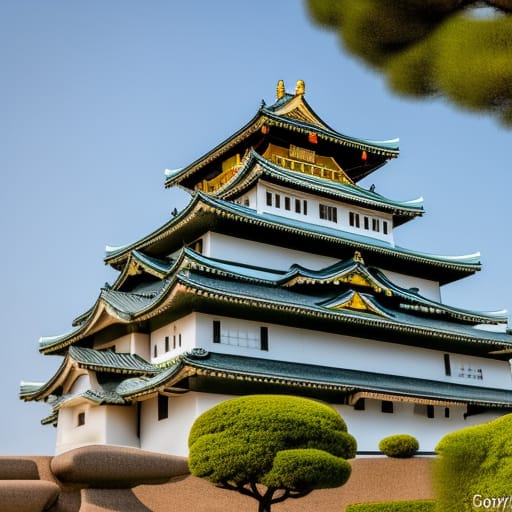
256, 167
416, 302
387, 149
104, 314
444, 268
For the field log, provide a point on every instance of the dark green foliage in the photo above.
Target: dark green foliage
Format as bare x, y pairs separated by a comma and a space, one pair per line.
288, 444
401, 446
394, 506
431, 47
474, 461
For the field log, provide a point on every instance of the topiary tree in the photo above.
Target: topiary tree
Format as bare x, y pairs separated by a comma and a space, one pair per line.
271, 447
401, 446
474, 468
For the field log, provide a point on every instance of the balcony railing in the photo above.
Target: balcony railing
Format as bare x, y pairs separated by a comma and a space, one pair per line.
311, 169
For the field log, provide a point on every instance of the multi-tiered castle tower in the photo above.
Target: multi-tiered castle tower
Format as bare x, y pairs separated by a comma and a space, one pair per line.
281, 275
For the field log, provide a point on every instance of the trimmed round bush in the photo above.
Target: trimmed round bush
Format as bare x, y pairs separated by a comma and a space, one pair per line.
401, 446
394, 506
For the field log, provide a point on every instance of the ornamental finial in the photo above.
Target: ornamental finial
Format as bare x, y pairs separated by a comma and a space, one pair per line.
358, 257
280, 89
300, 88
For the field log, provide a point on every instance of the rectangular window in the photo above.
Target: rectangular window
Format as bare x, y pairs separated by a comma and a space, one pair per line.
447, 366
163, 407
385, 227
297, 205
277, 199
155, 351
446, 412
174, 341
305, 207
179, 340
264, 338
375, 224
216, 331
430, 411
269, 198
366, 222
387, 406
287, 203
353, 219
167, 348
328, 212
80, 419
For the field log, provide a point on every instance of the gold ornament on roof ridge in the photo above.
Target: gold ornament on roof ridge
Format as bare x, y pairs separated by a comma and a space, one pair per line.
280, 89
300, 88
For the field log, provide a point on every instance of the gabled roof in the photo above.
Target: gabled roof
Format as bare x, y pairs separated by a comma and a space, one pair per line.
255, 167
79, 359
294, 114
367, 304
205, 213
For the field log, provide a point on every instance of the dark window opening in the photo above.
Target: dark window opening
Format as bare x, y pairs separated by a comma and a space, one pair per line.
447, 366
216, 331
264, 338
366, 223
387, 406
155, 351
385, 226
80, 419
353, 219
430, 411
174, 341
163, 407
179, 340
278, 200
328, 212
167, 347
305, 207
297, 205
375, 224
287, 203
446, 412
269, 198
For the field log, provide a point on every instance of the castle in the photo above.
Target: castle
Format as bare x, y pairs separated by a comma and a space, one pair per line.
281, 275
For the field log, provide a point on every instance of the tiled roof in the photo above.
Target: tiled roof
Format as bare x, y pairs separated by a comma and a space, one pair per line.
459, 265
354, 194
349, 380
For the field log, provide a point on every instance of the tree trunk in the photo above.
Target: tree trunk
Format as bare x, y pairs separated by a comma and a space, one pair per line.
264, 506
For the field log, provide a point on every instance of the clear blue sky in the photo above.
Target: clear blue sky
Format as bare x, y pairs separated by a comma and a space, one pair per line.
98, 98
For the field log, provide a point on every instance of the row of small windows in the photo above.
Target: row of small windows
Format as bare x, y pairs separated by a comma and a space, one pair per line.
167, 343
287, 202
354, 220
465, 372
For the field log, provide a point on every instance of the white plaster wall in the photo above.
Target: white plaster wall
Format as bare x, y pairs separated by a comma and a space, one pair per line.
325, 349
427, 288
171, 435
121, 344
264, 255
70, 435
184, 327
121, 425
371, 425
313, 214
81, 384
106, 424
139, 344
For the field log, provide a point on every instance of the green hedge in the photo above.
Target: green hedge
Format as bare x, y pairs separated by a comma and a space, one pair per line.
474, 463
394, 506
401, 446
